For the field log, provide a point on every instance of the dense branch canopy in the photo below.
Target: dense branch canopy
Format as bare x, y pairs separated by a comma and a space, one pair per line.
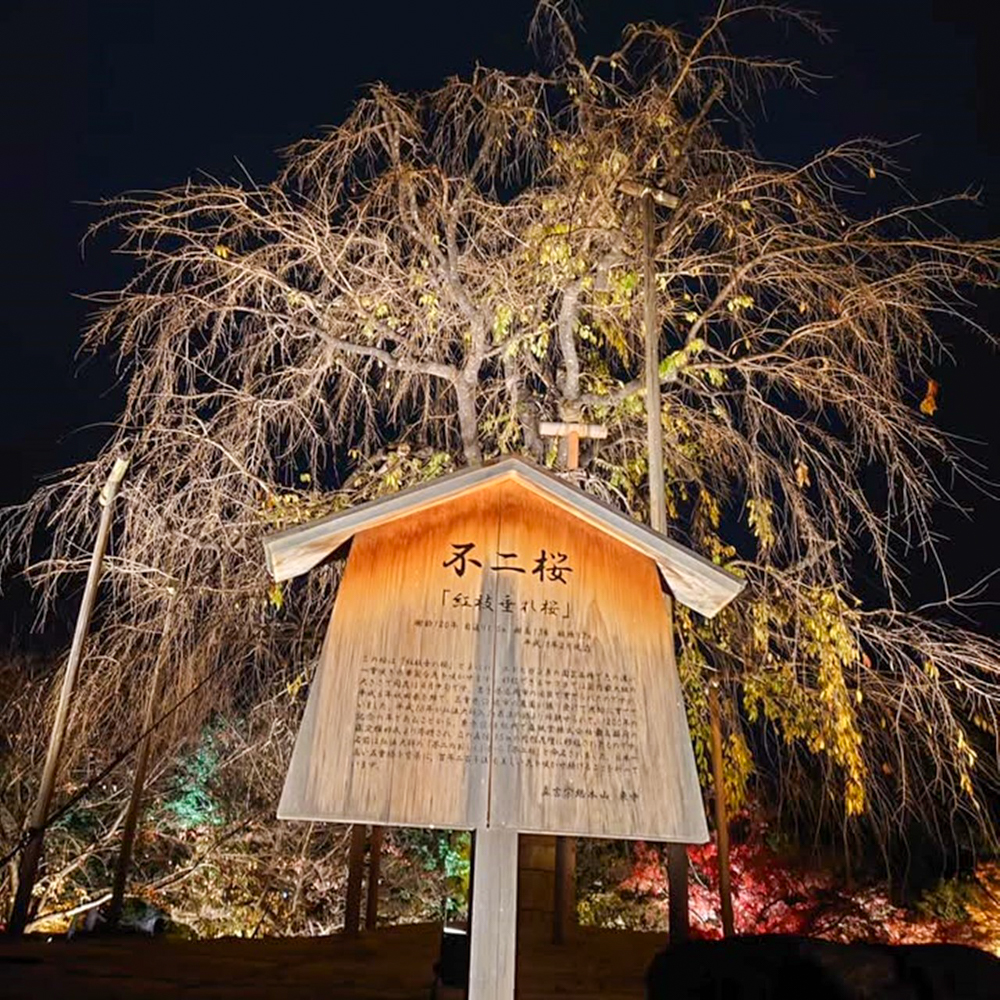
425, 283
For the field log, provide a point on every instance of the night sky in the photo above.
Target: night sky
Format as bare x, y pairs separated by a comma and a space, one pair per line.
101, 97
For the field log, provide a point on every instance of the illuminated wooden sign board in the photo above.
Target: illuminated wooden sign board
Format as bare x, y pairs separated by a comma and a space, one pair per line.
500, 658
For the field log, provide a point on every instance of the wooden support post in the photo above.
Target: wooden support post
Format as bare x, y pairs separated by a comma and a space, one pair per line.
677, 881
651, 332
28, 868
572, 432
565, 909
374, 863
355, 874
492, 960
139, 780
564, 915
572, 450
677, 862
721, 815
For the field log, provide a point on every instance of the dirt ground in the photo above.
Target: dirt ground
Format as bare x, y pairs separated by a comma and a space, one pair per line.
395, 963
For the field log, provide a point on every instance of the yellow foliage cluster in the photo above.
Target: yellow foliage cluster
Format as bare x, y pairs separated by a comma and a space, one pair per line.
811, 701
984, 907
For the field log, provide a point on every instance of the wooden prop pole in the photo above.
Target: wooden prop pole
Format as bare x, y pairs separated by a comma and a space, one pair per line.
651, 330
677, 864
677, 883
139, 781
721, 816
32, 853
355, 874
493, 945
564, 910
374, 864
572, 432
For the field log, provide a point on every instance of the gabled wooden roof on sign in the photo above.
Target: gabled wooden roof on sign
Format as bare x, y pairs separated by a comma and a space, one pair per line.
694, 581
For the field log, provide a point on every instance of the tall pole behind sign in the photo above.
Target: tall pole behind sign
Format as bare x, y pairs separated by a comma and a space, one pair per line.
654, 425
28, 867
677, 873
721, 816
564, 913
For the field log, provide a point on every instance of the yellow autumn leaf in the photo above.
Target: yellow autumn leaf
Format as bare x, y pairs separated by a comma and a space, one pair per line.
276, 596
871, 172
928, 405
221, 250
802, 475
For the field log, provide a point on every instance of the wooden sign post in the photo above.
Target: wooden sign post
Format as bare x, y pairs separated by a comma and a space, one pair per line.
499, 659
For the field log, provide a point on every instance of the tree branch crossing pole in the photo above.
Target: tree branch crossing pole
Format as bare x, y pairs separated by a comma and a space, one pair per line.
28, 867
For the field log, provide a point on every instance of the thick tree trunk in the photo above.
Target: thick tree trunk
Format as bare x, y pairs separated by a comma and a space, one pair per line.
465, 390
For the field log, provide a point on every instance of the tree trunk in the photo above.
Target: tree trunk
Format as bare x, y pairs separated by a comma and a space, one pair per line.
467, 420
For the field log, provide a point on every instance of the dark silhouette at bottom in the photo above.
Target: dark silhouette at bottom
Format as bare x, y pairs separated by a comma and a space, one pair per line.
784, 967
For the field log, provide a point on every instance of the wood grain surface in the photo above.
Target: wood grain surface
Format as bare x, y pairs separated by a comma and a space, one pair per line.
534, 691
693, 580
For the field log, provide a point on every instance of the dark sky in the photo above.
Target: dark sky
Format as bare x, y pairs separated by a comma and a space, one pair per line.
100, 97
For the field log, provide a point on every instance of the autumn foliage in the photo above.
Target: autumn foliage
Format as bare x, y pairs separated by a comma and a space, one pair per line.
773, 893
427, 282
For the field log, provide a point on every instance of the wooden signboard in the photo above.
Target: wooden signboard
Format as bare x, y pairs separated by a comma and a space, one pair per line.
499, 658
494, 662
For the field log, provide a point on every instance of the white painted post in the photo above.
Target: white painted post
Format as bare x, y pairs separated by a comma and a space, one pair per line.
493, 944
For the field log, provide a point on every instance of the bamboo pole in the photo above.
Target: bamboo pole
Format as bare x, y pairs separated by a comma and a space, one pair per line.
721, 814
374, 863
139, 780
28, 868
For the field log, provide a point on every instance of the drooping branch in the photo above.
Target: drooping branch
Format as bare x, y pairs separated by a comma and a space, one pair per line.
424, 282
